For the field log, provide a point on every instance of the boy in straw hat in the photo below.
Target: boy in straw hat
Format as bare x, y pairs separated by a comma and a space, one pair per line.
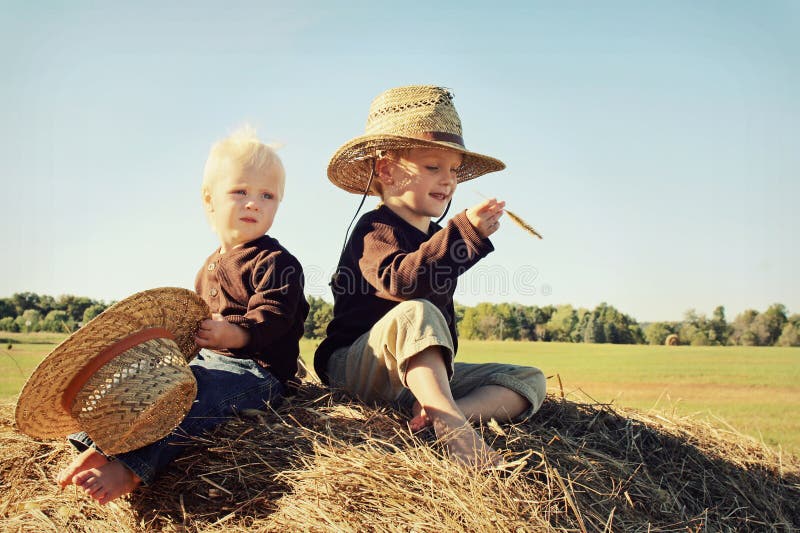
393, 333
254, 288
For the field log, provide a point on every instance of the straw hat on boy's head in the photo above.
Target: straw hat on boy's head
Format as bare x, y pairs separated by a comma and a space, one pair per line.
123, 378
416, 116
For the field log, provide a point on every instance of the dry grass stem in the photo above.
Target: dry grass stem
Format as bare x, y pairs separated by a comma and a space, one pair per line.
521, 223
518, 220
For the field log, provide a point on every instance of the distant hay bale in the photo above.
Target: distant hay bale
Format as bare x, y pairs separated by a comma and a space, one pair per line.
320, 465
671, 340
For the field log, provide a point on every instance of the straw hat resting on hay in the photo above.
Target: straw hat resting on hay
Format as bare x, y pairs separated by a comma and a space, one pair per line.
117, 385
123, 378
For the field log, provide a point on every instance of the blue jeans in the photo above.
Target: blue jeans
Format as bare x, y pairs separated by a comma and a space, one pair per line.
225, 385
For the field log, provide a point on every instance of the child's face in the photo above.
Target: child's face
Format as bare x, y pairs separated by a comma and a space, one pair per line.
418, 183
242, 203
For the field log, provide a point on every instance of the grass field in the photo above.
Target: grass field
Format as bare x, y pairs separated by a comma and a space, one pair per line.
755, 390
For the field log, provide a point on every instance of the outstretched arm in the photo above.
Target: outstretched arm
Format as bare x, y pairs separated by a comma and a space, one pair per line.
433, 267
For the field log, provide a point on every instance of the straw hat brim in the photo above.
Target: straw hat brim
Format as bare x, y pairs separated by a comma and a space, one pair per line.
39, 410
351, 165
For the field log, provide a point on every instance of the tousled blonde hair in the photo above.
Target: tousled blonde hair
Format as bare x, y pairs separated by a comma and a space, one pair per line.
242, 147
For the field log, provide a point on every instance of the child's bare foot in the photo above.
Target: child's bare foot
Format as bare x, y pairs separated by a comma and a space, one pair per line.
419, 419
107, 482
89, 458
463, 443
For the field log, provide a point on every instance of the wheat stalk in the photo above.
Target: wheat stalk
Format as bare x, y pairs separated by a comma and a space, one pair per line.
516, 219
522, 224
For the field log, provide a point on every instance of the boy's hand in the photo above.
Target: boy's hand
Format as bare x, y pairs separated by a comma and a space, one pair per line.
486, 216
219, 334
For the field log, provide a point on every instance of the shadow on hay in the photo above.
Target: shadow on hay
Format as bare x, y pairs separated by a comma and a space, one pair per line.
236, 468
654, 471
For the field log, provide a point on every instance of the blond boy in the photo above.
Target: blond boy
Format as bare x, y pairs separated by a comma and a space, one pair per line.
254, 288
393, 335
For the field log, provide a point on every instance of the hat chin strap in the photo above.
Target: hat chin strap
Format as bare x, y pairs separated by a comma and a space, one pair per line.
446, 209
347, 233
94, 364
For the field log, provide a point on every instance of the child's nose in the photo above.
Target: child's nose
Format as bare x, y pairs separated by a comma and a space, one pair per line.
251, 204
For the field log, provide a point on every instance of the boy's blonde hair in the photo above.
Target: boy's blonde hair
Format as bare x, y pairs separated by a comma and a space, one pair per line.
244, 148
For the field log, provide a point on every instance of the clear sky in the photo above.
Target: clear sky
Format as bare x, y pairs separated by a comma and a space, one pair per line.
655, 145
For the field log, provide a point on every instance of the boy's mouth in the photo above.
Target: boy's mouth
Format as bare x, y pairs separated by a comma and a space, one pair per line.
440, 196
249, 220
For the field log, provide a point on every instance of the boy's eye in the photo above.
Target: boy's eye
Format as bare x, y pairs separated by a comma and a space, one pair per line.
432, 168
239, 191
267, 196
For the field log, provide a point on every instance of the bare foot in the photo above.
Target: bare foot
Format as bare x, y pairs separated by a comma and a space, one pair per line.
419, 420
107, 482
89, 458
463, 443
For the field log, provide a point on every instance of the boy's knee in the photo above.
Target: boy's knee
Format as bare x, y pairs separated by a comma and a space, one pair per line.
419, 308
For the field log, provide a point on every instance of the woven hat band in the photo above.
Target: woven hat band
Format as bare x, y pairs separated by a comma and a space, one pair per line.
440, 136
97, 362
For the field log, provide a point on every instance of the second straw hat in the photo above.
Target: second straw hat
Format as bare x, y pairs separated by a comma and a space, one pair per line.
123, 378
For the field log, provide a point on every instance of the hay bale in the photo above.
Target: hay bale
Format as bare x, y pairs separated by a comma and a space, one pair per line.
384, 486
318, 464
671, 340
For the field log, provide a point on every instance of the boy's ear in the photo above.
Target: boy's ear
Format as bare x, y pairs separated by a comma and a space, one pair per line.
207, 203
383, 170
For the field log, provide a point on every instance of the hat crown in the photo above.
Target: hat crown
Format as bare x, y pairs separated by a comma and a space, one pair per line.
414, 111
137, 397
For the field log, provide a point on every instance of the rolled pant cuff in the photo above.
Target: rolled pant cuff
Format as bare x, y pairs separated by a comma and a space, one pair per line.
81, 442
423, 344
524, 389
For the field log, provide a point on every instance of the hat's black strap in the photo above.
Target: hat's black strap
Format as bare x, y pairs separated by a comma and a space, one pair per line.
347, 233
446, 209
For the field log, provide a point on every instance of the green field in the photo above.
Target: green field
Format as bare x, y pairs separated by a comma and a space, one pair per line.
755, 390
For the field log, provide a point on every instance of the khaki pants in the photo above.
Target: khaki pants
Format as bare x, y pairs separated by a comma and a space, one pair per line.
374, 367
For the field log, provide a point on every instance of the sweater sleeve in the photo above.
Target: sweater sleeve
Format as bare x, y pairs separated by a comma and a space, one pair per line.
433, 268
273, 307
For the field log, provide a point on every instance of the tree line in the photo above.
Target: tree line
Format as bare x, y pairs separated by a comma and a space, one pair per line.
603, 324
27, 311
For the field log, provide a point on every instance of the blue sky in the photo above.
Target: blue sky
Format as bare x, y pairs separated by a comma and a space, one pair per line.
655, 145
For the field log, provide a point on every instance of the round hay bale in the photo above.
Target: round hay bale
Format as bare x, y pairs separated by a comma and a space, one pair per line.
671, 340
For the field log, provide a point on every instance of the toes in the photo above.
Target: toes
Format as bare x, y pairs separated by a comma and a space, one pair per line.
81, 477
93, 487
87, 460
418, 423
88, 480
419, 418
